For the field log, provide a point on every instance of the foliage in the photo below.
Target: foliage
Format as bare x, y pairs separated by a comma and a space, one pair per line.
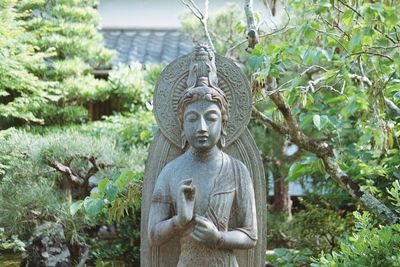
12, 243
278, 230
283, 257
128, 83
315, 227
318, 226
128, 130
32, 186
337, 70
125, 247
366, 246
226, 28
20, 89
49, 49
116, 195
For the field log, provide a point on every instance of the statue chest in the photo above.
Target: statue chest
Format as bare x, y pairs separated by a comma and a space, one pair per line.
203, 178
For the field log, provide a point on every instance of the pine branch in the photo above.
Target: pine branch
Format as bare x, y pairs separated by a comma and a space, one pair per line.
67, 172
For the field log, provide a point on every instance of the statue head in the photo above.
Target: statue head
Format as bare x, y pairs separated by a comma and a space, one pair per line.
202, 88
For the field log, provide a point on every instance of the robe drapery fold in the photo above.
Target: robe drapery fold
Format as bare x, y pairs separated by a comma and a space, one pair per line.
231, 207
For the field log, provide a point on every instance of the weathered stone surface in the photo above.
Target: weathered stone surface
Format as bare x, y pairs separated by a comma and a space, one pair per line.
210, 227
47, 247
172, 83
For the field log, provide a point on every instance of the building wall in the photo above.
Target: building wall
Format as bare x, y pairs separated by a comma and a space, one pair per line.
159, 14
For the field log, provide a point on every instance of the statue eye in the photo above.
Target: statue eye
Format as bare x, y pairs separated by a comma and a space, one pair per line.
212, 117
191, 117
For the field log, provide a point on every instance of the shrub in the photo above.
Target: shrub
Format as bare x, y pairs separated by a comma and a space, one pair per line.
31, 188
128, 130
366, 246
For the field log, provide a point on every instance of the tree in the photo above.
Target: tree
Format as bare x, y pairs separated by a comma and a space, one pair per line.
61, 46
334, 71
20, 89
334, 79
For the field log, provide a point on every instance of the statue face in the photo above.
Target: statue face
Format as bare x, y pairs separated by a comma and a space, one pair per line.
202, 124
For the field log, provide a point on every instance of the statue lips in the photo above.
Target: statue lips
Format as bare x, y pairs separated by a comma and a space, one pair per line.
202, 138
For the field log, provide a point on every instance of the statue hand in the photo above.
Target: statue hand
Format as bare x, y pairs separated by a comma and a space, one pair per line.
185, 202
205, 231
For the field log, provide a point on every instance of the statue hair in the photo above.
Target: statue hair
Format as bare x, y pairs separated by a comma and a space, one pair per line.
204, 92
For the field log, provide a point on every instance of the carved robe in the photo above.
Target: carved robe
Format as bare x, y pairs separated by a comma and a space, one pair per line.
231, 206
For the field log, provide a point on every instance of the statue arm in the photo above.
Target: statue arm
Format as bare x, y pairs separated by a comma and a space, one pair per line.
235, 240
206, 232
162, 226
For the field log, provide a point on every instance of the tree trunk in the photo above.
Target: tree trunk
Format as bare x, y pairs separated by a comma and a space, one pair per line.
282, 201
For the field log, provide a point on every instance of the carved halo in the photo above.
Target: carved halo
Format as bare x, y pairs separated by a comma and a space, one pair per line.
172, 83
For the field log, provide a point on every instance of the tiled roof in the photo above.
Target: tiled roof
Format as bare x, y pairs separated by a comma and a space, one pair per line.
146, 46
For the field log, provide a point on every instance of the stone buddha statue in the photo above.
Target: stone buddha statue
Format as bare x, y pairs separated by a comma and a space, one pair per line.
203, 197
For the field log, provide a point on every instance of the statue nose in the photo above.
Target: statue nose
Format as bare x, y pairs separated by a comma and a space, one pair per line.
202, 126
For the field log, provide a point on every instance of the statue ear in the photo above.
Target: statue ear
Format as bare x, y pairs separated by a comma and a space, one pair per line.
222, 141
183, 138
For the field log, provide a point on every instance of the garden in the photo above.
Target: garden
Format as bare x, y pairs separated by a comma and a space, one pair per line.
326, 114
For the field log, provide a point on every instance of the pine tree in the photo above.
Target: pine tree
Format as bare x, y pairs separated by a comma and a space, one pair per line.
61, 47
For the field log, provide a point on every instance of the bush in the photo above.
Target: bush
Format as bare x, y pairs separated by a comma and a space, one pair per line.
283, 257
316, 227
366, 246
33, 191
128, 130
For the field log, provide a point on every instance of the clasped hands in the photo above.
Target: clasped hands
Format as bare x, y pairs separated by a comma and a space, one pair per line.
204, 230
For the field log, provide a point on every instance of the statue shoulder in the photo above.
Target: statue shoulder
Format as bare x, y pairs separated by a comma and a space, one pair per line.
241, 170
238, 163
170, 168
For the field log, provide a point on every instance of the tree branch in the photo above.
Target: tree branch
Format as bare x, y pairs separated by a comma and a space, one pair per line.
252, 34
352, 8
67, 172
371, 53
270, 123
202, 17
276, 31
327, 155
392, 106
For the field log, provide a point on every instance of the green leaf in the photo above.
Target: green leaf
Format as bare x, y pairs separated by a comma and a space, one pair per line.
305, 121
347, 17
391, 18
355, 43
296, 170
125, 178
102, 185
258, 50
111, 192
317, 121
73, 209
93, 207
280, 252
116, 176
323, 6
309, 32
265, 72
255, 62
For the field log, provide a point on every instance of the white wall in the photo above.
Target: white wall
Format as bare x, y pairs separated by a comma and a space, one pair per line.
153, 13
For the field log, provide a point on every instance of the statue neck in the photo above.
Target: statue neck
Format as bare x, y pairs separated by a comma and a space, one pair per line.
205, 155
